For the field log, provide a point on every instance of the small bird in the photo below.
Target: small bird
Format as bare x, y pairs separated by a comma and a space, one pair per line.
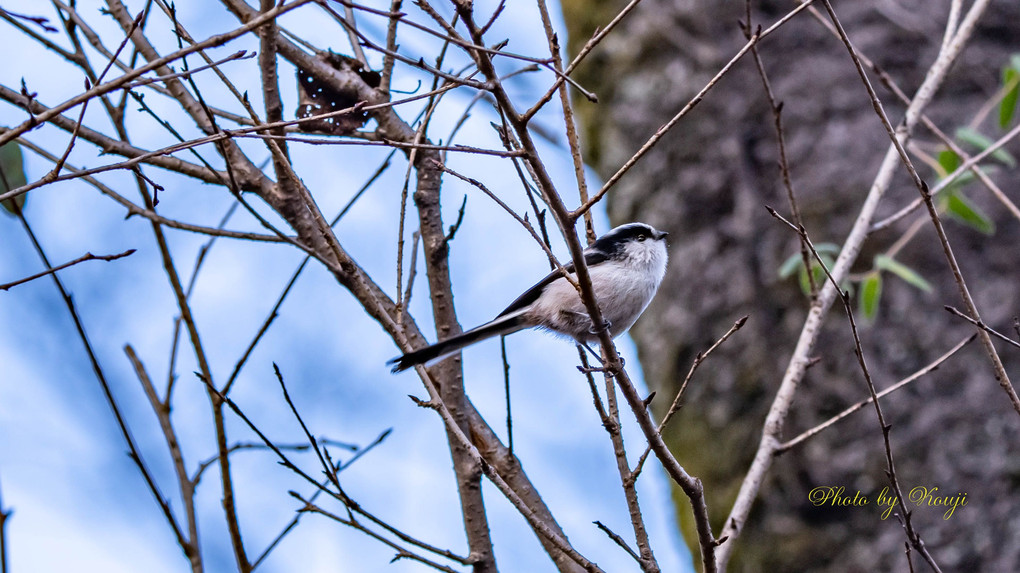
626, 267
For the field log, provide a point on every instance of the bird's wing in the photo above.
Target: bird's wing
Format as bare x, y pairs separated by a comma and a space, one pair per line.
532, 294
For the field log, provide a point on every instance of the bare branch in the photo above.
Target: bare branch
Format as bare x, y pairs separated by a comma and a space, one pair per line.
619, 541
947, 181
5, 514
402, 553
784, 166
81, 259
800, 359
192, 548
965, 27
701, 357
119, 82
807, 434
983, 326
133, 452
905, 516
662, 131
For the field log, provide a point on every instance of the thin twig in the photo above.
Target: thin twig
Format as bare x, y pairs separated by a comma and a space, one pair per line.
84, 106
947, 181
506, 393
117, 83
338, 495
800, 359
192, 549
523, 222
966, 25
891, 85
807, 434
666, 127
983, 326
628, 480
391, 45
292, 524
402, 553
40, 21
134, 209
662, 131
677, 400
4, 516
186, 74
701, 357
618, 540
81, 259
912, 536
588, 47
573, 140
784, 166
329, 469
133, 452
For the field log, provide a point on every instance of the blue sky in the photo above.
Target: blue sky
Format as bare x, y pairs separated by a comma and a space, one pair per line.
79, 502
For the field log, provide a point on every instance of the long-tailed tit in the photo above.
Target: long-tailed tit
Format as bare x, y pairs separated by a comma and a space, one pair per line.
626, 266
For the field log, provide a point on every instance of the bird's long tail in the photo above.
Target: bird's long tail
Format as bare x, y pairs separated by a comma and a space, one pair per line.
502, 325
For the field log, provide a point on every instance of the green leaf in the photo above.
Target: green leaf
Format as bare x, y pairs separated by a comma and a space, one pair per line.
827, 248
790, 266
796, 261
795, 264
968, 135
949, 161
871, 291
827, 260
886, 263
805, 284
12, 175
817, 271
1007, 107
968, 176
961, 208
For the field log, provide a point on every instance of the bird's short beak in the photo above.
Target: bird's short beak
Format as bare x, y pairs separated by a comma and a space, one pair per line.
662, 235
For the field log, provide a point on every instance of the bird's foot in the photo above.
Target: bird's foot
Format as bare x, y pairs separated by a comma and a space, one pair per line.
606, 326
604, 368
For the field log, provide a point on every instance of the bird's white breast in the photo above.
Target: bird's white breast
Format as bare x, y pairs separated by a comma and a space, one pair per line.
623, 288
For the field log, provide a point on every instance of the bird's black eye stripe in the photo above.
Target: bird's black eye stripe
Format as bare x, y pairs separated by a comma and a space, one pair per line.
623, 235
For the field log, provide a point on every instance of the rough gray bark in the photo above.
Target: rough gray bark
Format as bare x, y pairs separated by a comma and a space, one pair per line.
707, 184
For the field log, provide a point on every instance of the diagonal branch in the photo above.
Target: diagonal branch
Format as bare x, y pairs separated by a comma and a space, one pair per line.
117, 83
799, 361
966, 26
81, 259
753, 40
905, 515
808, 434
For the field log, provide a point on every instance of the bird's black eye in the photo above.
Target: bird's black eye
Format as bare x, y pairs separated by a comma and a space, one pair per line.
641, 237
